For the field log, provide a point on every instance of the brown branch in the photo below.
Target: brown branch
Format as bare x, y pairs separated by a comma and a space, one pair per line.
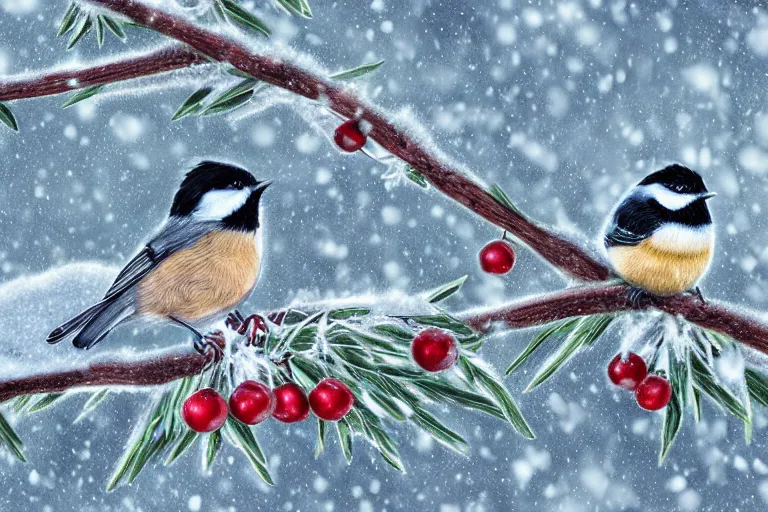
563, 254
123, 68
151, 372
590, 300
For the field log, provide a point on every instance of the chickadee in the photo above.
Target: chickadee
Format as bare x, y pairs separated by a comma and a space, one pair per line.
204, 259
660, 236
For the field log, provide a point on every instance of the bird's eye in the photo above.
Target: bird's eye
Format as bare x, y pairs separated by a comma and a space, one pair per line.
238, 185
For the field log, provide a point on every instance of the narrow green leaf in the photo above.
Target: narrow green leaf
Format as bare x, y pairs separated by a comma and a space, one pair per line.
587, 330
439, 432
322, 427
394, 332
345, 439
44, 402
21, 402
298, 7
91, 404
68, 21
351, 74
343, 314
232, 97
241, 437
128, 459
443, 322
212, 448
100, 31
441, 390
82, 94
556, 328
9, 438
502, 198
378, 437
114, 26
192, 104
388, 405
7, 117
673, 413
245, 17
229, 105
181, 446
82, 28
446, 290
415, 176
704, 380
757, 384
503, 399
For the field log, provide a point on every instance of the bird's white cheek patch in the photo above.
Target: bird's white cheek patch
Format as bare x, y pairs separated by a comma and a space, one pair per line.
680, 238
668, 199
219, 204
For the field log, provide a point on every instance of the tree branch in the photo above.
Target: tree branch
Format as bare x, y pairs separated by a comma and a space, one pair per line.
159, 61
567, 256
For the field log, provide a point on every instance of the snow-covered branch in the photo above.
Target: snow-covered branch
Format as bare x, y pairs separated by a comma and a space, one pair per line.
122, 68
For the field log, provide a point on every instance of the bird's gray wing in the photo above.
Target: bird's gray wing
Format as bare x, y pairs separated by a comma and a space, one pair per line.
633, 221
175, 235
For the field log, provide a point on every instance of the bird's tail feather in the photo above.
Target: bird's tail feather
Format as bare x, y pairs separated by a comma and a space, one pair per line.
100, 325
75, 323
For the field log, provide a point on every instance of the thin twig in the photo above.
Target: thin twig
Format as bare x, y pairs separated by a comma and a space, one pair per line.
122, 68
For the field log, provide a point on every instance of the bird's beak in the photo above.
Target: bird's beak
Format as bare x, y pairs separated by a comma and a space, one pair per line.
261, 187
707, 195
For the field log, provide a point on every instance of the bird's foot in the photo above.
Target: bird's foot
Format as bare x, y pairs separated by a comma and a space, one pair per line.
253, 327
212, 345
696, 292
638, 296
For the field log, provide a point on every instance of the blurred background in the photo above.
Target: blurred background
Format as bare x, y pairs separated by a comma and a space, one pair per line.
563, 103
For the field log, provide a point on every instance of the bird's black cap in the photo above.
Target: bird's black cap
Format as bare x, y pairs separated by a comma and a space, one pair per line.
677, 178
207, 176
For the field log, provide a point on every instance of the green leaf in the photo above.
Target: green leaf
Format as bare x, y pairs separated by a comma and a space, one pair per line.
82, 28
587, 330
181, 446
192, 104
555, 329
68, 21
7, 117
704, 380
322, 427
673, 413
21, 402
443, 322
446, 290
91, 404
114, 26
241, 437
502, 198
415, 176
757, 384
439, 432
388, 405
441, 390
503, 399
245, 18
343, 314
345, 439
9, 438
351, 74
218, 105
212, 448
298, 7
394, 332
44, 402
132, 451
378, 437
82, 94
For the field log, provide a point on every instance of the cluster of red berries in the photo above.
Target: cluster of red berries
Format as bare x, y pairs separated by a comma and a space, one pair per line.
497, 257
253, 402
652, 392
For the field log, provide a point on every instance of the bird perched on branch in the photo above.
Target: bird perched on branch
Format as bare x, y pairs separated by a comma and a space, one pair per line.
203, 261
660, 237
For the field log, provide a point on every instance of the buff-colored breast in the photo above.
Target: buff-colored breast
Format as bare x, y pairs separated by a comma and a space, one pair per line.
659, 270
210, 277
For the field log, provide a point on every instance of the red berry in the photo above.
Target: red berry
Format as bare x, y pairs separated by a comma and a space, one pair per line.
653, 393
291, 403
627, 373
252, 402
204, 410
331, 400
434, 350
497, 257
349, 137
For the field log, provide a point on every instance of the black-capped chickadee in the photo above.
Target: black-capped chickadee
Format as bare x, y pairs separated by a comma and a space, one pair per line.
660, 237
204, 259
